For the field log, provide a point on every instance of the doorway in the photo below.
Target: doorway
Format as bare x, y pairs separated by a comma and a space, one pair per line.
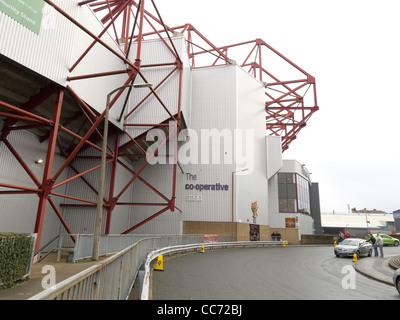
254, 232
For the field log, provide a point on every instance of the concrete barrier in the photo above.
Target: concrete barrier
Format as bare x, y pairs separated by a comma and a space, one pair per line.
394, 262
319, 239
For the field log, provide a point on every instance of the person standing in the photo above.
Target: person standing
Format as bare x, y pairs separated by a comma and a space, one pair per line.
341, 236
379, 242
374, 244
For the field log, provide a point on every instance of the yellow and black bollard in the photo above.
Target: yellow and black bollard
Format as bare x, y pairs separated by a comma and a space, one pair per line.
202, 248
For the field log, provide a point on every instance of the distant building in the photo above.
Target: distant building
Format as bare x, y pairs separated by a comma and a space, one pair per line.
396, 217
357, 224
293, 201
365, 210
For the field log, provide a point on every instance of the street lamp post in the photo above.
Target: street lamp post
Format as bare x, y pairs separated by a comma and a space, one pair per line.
99, 210
366, 220
233, 198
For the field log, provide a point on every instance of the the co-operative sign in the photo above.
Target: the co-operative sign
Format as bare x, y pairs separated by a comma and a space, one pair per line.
26, 12
203, 186
206, 186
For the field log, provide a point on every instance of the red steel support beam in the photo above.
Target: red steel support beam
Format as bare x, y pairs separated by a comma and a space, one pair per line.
22, 162
47, 182
29, 116
144, 181
146, 220
12, 186
111, 200
120, 9
30, 105
66, 15
60, 217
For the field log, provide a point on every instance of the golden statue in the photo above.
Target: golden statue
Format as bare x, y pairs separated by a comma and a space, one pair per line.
254, 209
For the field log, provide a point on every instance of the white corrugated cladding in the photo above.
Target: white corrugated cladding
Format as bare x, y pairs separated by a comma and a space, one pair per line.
48, 53
18, 213
214, 103
59, 44
160, 176
94, 91
20, 216
152, 111
274, 164
229, 101
80, 219
251, 185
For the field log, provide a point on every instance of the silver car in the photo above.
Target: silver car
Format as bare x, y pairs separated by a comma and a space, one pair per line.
351, 246
396, 279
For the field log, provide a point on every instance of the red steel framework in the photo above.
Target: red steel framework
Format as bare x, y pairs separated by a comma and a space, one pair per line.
126, 20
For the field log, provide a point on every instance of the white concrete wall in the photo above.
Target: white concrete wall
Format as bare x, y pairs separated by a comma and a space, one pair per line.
213, 108
251, 185
274, 154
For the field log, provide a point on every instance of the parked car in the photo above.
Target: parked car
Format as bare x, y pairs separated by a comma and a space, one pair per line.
387, 240
396, 279
351, 246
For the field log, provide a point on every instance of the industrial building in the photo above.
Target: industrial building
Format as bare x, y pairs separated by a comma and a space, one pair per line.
359, 224
105, 108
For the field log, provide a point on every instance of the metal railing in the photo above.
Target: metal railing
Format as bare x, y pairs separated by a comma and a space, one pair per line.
108, 244
110, 279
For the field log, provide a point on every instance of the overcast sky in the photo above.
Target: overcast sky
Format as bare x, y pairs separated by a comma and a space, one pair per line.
351, 145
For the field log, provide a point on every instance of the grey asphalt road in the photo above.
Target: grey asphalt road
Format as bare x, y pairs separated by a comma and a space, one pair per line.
298, 272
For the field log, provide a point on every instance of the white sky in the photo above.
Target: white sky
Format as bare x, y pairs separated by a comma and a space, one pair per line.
351, 145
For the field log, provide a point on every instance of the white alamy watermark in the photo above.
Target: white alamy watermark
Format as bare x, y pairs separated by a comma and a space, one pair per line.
207, 146
349, 280
49, 280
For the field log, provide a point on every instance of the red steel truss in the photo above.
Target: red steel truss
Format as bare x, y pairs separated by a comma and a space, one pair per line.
136, 21
286, 110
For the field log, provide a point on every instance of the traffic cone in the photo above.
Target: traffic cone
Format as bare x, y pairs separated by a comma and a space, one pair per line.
355, 257
159, 264
202, 248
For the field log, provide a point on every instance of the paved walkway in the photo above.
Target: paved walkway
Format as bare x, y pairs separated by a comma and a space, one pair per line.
376, 268
28, 288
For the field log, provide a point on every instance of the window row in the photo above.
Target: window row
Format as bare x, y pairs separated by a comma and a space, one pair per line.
293, 193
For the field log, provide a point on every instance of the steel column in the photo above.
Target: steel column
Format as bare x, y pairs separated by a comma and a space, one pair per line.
47, 182
111, 200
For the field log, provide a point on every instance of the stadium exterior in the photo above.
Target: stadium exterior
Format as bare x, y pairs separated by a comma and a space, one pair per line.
192, 146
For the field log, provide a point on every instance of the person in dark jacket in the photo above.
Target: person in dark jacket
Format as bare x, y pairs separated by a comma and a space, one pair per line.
374, 244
